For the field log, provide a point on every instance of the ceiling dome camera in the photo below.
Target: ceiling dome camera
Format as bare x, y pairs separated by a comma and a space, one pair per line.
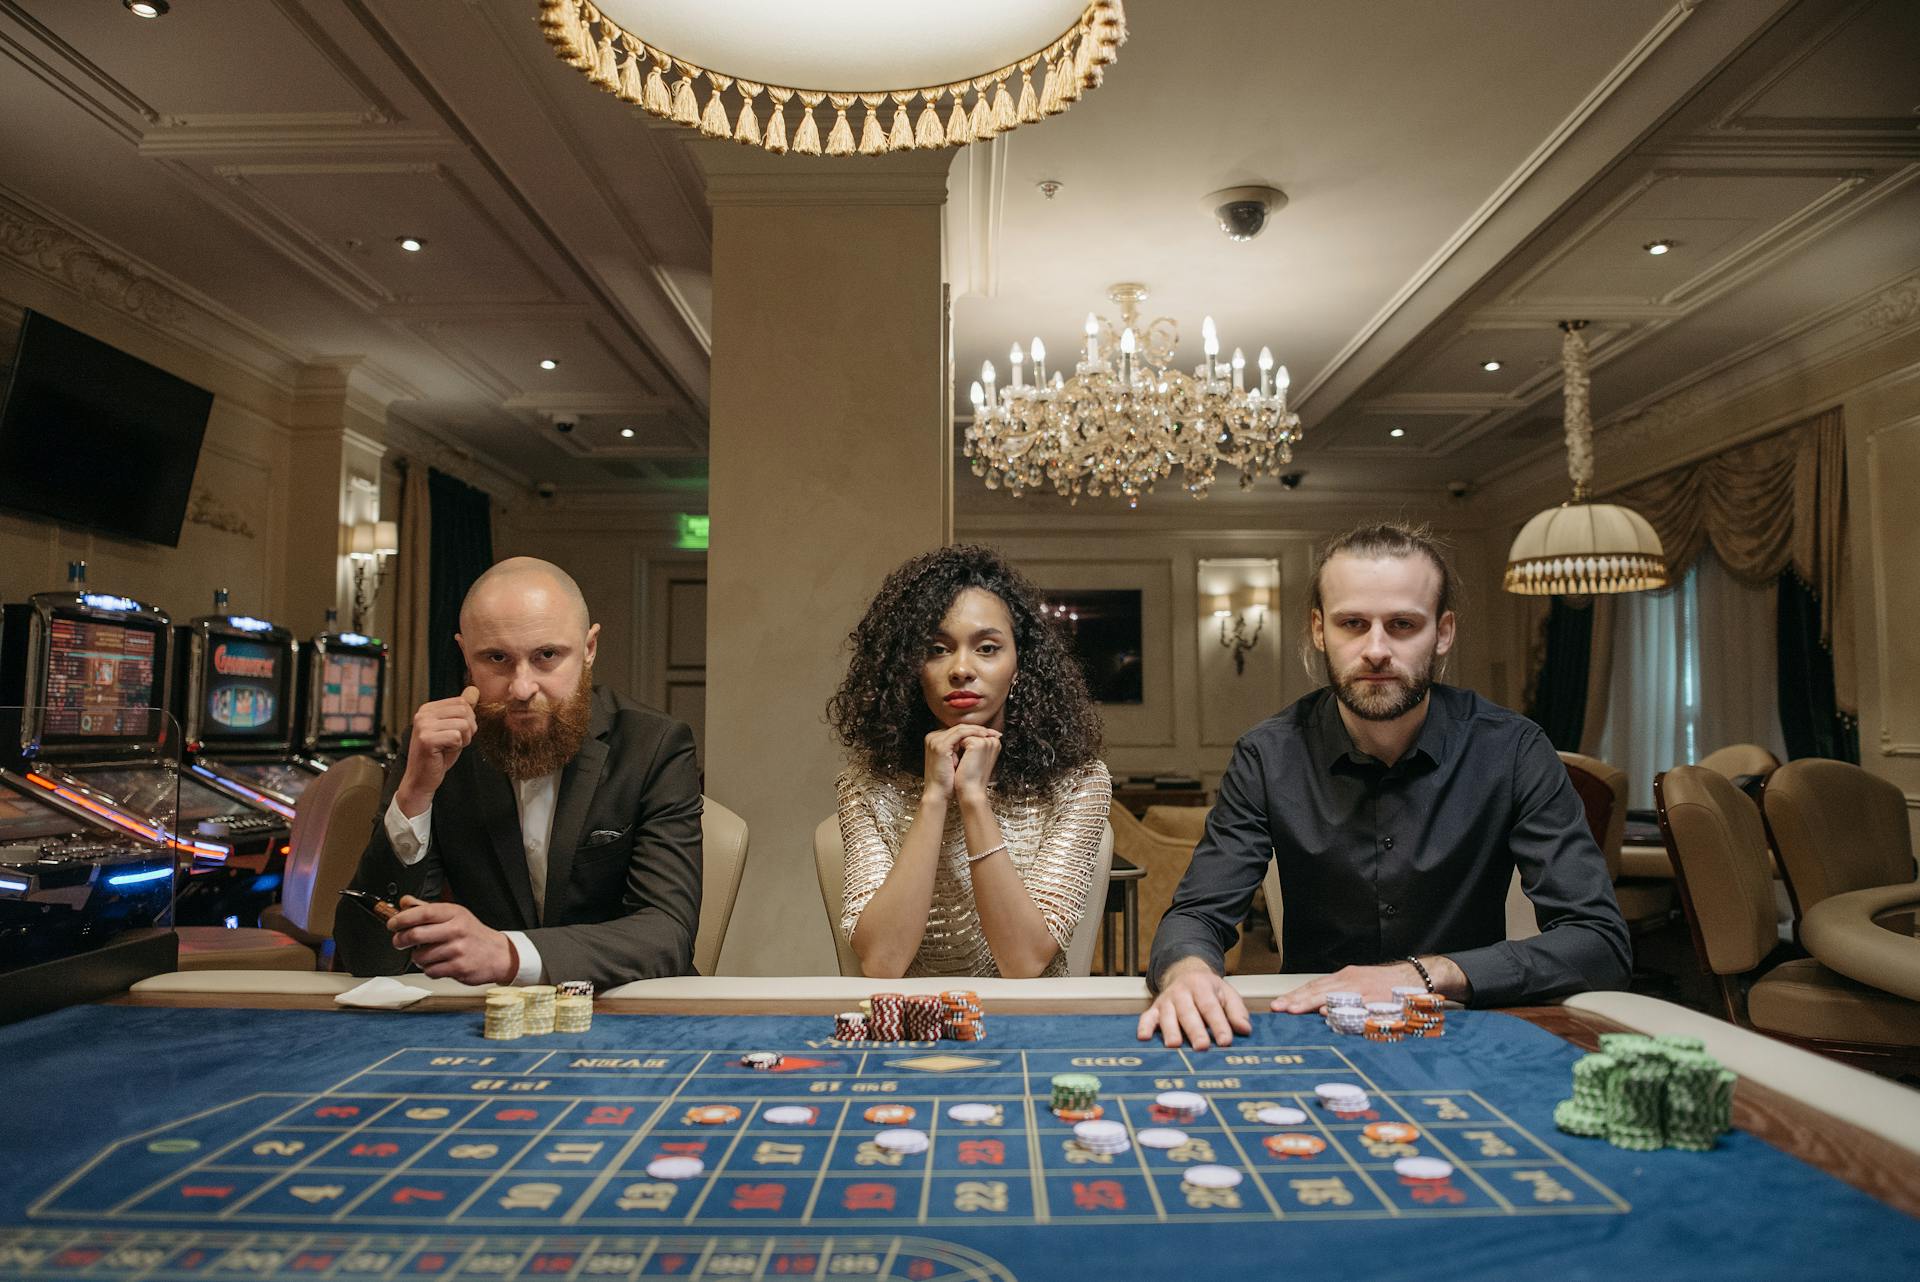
1242, 212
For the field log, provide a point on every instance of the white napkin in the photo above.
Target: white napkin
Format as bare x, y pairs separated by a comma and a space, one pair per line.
384, 993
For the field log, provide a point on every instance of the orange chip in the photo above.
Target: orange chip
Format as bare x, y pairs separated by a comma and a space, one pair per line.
1294, 1144
890, 1114
1391, 1132
1093, 1114
713, 1114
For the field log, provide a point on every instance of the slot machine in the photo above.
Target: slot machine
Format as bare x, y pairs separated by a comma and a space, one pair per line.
346, 682
237, 692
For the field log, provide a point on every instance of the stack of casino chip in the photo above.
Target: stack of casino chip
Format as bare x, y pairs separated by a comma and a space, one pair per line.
1645, 1093
1076, 1097
1343, 1099
1346, 1013
1384, 1028
1102, 1136
1178, 1108
888, 1023
572, 1013
1426, 1015
926, 1017
966, 1018
576, 988
850, 1026
505, 1016
539, 999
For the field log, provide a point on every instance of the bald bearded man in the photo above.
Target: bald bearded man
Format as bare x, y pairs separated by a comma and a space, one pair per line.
538, 827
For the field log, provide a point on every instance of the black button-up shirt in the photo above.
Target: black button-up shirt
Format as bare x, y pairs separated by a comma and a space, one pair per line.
1378, 862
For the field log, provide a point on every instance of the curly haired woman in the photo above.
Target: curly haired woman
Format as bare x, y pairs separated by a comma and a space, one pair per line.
973, 806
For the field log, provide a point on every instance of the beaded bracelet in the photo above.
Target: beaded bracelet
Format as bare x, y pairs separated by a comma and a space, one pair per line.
994, 850
1425, 978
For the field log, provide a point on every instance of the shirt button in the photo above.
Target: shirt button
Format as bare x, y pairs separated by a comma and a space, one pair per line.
1387, 842
1388, 910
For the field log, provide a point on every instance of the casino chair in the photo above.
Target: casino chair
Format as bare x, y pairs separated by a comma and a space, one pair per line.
1164, 858
1718, 846
723, 857
1837, 829
330, 826
830, 863
1738, 759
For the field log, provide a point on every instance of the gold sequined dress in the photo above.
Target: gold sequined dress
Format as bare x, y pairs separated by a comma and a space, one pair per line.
1053, 839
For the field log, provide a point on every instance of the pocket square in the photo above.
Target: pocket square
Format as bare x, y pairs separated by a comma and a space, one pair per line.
599, 835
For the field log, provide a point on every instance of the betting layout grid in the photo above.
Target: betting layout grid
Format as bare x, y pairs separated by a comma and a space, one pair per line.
563, 1139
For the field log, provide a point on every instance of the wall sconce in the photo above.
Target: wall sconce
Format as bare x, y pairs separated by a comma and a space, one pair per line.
369, 544
1253, 605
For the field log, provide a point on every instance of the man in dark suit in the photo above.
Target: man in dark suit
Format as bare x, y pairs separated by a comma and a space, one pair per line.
539, 829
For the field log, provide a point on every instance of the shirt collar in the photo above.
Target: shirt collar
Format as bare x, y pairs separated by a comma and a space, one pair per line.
1333, 747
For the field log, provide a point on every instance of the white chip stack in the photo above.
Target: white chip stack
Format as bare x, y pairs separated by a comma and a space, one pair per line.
572, 1013
1342, 1098
539, 1000
1102, 1136
905, 1141
505, 1018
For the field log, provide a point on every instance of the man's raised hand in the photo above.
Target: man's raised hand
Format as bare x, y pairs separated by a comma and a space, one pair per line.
441, 730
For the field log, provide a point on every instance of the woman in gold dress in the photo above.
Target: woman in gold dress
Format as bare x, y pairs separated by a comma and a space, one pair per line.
974, 800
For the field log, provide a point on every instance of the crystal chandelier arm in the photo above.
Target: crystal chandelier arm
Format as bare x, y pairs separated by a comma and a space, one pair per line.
1579, 420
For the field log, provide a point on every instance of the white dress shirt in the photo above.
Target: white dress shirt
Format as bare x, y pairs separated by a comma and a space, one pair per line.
536, 797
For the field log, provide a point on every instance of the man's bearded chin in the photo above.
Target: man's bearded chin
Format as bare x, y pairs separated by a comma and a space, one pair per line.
1380, 701
534, 750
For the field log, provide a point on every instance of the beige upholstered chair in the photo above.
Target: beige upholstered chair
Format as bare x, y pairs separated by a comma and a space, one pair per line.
830, 865
1719, 851
1602, 787
1737, 759
1836, 828
331, 825
1183, 823
1163, 858
723, 858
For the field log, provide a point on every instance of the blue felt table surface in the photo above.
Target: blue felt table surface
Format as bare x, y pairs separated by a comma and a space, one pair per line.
106, 1122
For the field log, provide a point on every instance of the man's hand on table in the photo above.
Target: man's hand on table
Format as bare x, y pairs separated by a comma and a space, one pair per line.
448, 942
1374, 984
1196, 1003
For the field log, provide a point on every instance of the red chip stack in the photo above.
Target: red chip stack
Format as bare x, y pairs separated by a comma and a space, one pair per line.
965, 1017
889, 1020
926, 1017
850, 1026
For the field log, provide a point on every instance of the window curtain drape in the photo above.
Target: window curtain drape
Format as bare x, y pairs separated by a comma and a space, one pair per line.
1810, 717
462, 549
407, 677
1558, 699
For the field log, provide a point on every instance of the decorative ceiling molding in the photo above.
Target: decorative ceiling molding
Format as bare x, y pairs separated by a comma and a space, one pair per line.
1894, 307
86, 269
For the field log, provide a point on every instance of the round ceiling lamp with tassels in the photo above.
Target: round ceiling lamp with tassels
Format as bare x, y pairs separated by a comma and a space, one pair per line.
1579, 547
913, 74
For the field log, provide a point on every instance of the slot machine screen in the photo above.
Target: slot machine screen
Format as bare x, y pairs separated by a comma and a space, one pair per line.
27, 819
100, 680
349, 695
243, 691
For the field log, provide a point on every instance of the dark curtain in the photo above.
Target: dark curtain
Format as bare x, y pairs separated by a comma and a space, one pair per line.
1810, 716
1558, 700
462, 549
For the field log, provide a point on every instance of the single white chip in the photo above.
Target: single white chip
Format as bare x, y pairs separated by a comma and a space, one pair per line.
1212, 1177
1099, 1133
761, 1059
972, 1112
1161, 1137
1334, 1090
788, 1115
676, 1168
1422, 1168
1181, 1102
902, 1141
1278, 1115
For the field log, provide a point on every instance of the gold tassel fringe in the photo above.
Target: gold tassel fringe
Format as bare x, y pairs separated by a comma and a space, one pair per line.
606, 68
927, 131
776, 140
806, 139
686, 108
900, 136
656, 100
872, 141
713, 121
980, 119
633, 87
748, 130
1029, 101
840, 137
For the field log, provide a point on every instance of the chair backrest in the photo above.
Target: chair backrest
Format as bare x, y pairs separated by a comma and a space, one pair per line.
1719, 851
830, 865
1183, 823
723, 857
1836, 828
1087, 933
332, 823
1276, 910
1603, 792
1163, 858
1738, 759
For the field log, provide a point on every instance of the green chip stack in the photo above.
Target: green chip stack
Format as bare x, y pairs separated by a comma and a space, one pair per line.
1646, 1093
1075, 1092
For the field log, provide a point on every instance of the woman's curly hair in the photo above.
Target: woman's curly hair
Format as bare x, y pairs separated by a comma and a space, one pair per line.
881, 714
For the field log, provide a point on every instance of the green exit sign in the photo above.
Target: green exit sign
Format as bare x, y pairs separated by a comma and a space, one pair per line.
693, 532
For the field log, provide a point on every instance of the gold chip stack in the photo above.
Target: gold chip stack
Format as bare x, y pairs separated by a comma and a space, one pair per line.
506, 1017
965, 1017
572, 1013
539, 1001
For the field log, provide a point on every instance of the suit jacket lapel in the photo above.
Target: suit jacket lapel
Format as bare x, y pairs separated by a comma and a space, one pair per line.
499, 815
578, 783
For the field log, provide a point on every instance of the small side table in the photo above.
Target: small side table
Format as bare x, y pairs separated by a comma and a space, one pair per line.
1123, 897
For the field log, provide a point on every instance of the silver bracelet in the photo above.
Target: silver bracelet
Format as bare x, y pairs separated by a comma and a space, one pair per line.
990, 850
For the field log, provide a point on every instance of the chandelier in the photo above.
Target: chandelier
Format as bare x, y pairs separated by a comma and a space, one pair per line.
1127, 418
759, 57
1580, 547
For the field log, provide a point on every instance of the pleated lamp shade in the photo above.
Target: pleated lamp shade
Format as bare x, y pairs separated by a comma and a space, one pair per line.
1581, 548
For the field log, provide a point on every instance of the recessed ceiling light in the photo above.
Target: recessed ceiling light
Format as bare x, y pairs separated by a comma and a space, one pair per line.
627, 432
1490, 366
547, 362
412, 244
1397, 432
147, 8
1657, 247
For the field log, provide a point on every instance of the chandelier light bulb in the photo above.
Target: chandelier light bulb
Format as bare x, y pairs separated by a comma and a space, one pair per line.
1266, 359
987, 374
1059, 380
1280, 380
1239, 359
1209, 337
1037, 350
1015, 355
1093, 326
1127, 342
977, 395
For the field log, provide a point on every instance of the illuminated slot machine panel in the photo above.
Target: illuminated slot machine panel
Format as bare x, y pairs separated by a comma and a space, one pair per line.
346, 676
237, 691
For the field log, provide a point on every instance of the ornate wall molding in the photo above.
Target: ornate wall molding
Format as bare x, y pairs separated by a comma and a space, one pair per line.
87, 269
206, 510
1893, 307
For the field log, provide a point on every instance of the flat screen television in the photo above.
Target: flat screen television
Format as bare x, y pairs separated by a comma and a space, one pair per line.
93, 437
1102, 628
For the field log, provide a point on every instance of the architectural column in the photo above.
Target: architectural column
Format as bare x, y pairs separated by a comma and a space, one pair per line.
337, 444
831, 462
